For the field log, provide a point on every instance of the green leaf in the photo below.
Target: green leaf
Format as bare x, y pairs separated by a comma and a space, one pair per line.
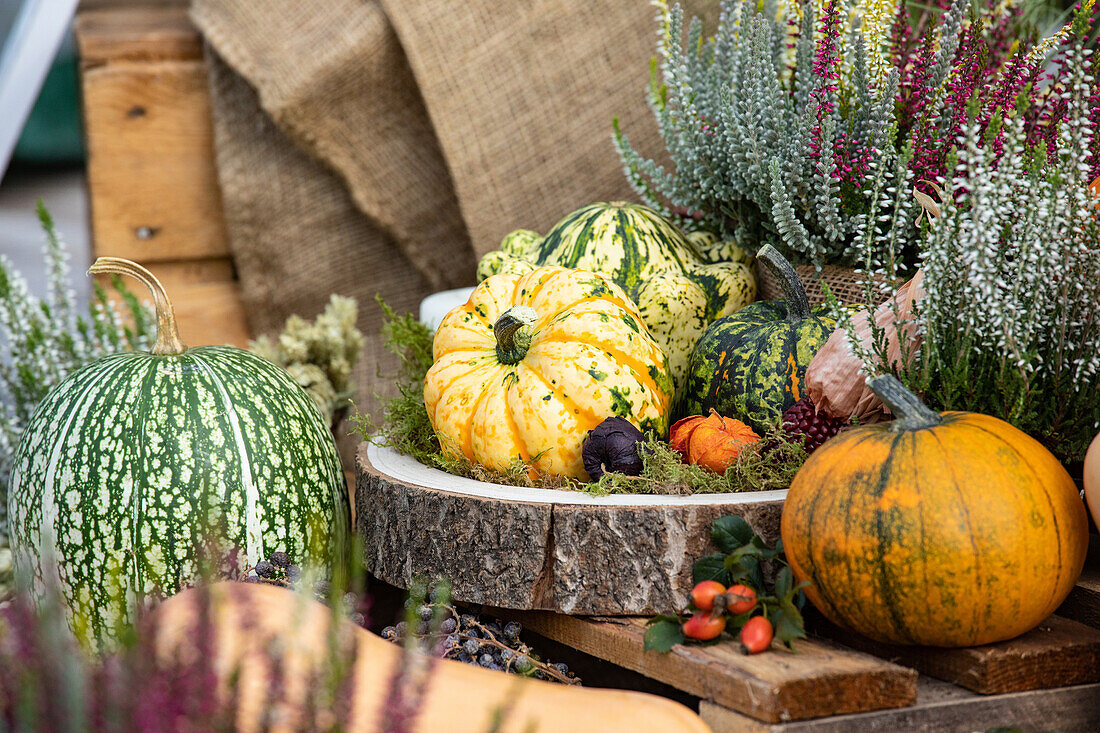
784, 581
663, 617
663, 634
736, 622
711, 567
731, 533
763, 549
743, 557
788, 624
745, 568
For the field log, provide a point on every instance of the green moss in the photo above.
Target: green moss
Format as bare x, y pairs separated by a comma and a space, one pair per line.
404, 426
764, 466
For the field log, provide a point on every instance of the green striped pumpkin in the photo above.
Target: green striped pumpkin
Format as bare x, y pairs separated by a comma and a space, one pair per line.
751, 365
129, 462
680, 283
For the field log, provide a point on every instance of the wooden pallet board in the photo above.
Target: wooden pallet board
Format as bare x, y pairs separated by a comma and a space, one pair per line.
1058, 653
206, 298
151, 174
152, 181
821, 679
136, 33
941, 708
1083, 603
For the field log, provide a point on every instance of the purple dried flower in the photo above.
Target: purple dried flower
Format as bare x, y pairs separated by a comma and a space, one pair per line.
612, 447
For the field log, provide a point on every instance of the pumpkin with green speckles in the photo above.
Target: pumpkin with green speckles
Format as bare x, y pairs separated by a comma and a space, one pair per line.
943, 529
531, 363
752, 365
129, 462
679, 283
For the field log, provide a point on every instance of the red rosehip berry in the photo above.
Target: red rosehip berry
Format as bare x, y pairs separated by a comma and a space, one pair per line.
740, 599
703, 594
704, 627
756, 635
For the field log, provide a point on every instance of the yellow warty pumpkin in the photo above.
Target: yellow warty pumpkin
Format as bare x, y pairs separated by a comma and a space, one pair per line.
531, 363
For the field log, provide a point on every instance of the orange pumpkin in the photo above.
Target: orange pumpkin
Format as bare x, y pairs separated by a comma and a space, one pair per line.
713, 441
950, 529
1092, 479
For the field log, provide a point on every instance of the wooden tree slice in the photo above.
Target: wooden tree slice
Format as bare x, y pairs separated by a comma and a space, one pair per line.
524, 549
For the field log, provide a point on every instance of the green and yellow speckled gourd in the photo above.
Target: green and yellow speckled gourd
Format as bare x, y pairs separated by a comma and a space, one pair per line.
679, 283
125, 464
530, 364
752, 365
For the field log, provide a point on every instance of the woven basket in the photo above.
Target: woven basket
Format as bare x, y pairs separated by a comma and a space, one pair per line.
843, 281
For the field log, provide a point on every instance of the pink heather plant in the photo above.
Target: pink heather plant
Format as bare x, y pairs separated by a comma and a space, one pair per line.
784, 127
1008, 322
51, 684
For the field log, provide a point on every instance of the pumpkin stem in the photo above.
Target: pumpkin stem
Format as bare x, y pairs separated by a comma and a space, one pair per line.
798, 305
513, 339
168, 337
911, 413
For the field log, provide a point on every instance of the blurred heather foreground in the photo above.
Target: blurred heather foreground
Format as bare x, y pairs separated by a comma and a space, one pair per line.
276, 649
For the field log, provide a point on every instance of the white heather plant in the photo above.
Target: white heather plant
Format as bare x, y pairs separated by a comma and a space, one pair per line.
1010, 323
44, 340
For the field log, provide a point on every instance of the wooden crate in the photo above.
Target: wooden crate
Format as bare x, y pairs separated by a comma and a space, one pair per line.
151, 175
838, 681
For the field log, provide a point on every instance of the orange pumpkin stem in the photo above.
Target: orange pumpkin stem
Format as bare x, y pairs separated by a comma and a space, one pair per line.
512, 333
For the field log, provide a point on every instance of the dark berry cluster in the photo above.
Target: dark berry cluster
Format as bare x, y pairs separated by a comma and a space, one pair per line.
436, 624
477, 640
804, 420
278, 569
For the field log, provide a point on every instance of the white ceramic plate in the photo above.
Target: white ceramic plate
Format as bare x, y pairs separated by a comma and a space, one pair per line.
410, 471
437, 305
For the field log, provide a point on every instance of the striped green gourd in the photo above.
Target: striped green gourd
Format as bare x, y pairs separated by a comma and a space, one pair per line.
680, 283
127, 465
751, 365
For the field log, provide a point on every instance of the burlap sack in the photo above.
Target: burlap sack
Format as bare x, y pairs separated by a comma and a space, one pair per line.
382, 145
296, 235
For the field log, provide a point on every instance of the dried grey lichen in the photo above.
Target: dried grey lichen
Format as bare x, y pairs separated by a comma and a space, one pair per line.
319, 355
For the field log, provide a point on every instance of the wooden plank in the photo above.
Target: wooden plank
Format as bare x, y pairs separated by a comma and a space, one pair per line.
820, 679
1058, 653
211, 313
206, 299
1067, 709
151, 174
136, 33
1083, 602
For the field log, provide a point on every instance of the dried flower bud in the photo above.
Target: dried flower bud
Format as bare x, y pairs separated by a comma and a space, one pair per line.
612, 448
